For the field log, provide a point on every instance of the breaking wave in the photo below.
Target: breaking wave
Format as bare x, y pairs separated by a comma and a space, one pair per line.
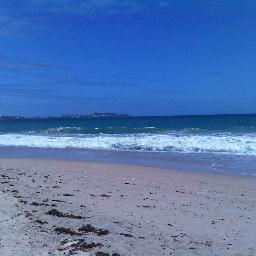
241, 144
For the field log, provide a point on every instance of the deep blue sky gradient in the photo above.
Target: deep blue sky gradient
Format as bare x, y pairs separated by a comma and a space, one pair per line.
139, 57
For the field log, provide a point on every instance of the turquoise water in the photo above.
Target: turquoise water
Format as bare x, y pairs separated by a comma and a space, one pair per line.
221, 123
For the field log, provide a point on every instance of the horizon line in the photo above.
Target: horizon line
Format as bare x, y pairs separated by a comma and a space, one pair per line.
118, 115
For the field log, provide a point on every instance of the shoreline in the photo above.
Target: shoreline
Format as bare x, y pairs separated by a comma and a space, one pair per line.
233, 165
143, 210
130, 165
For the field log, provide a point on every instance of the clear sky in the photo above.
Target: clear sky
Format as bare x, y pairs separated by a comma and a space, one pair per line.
127, 56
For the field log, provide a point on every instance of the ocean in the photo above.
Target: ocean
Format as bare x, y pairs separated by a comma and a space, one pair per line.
223, 143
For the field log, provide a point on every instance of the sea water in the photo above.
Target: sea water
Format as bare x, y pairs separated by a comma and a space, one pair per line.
224, 143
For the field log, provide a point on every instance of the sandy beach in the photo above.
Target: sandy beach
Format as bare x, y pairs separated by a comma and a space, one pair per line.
54, 207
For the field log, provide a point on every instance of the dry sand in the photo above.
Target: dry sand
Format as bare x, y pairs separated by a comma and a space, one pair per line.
131, 210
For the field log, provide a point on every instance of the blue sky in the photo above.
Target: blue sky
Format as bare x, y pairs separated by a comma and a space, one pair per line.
139, 57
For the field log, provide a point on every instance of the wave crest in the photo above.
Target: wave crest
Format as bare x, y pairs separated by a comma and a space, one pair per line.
189, 143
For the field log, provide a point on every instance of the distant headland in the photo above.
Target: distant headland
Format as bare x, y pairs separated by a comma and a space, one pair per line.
67, 116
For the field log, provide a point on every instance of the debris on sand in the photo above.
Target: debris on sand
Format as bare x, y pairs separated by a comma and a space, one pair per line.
104, 195
39, 204
57, 213
67, 231
68, 195
102, 232
126, 235
77, 245
23, 201
59, 201
41, 222
84, 245
89, 228
67, 244
102, 254
106, 254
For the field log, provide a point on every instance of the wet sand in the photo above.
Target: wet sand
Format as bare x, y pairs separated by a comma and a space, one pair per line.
53, 207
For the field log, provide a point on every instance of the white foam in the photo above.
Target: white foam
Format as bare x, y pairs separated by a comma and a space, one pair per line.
61, 129
222, 143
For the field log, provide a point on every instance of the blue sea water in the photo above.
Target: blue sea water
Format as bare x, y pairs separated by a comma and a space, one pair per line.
222, 142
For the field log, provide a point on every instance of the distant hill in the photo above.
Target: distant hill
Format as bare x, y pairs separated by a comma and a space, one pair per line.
11, 117
71, 116
95, 115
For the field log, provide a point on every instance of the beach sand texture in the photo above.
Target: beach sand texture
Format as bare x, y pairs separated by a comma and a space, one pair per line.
51, 207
